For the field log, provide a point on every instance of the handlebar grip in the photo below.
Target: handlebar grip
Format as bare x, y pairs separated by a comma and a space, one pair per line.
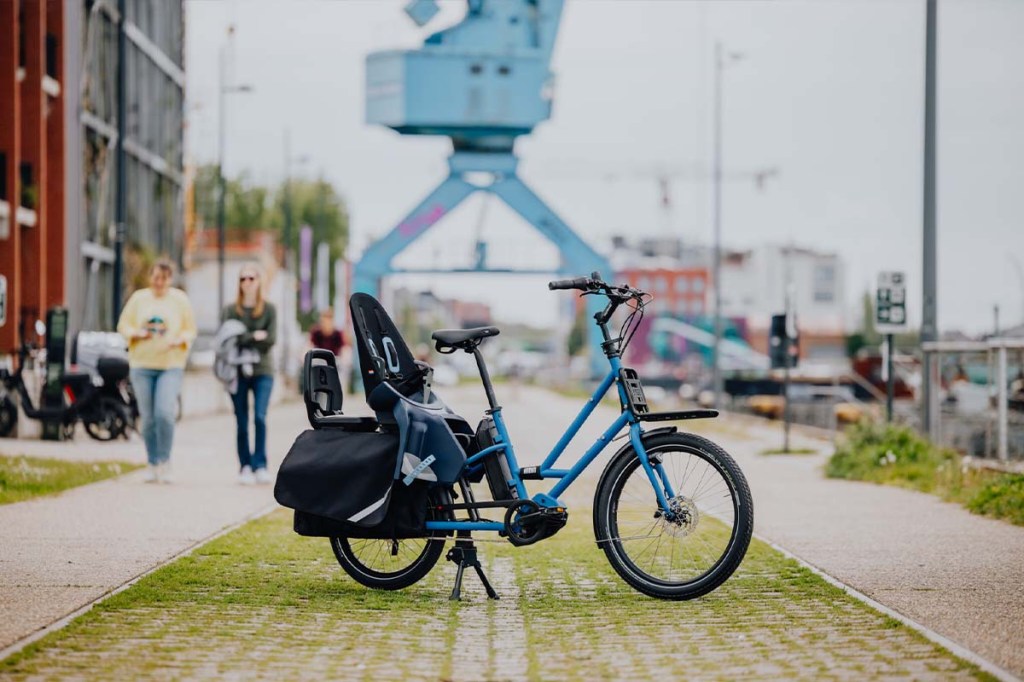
582, 283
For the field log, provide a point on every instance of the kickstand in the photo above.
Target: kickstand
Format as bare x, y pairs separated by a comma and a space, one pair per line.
464, 554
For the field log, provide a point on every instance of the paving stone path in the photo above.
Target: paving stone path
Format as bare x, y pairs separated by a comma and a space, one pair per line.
289, 611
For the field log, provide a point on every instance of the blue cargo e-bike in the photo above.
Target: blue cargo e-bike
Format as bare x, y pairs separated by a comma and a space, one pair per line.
672, 511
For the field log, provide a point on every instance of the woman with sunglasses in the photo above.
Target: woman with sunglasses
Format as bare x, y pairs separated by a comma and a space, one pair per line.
260, 320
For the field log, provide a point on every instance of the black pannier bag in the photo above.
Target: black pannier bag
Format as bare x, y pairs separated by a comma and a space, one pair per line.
406, 518
344, 476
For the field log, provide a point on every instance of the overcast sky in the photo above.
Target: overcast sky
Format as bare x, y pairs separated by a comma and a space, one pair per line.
830, 92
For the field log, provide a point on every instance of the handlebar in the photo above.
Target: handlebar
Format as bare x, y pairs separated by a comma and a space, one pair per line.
594, 284
581, 283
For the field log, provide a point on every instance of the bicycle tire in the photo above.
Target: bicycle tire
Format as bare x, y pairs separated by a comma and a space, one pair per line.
608, 505
353, 555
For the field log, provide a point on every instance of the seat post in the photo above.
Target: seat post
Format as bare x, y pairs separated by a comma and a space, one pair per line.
485, 378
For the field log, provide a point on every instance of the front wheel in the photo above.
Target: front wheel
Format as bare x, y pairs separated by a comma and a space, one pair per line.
696, 546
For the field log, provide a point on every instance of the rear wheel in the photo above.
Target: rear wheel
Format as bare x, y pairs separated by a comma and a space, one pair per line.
389, 564
112, 420
695, 548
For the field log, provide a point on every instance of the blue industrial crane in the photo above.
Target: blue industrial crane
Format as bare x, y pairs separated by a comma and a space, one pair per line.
482, 82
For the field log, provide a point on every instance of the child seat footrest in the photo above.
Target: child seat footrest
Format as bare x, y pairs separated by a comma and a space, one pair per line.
677, 416
346, 423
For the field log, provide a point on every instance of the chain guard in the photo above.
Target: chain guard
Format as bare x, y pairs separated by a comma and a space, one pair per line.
527, 522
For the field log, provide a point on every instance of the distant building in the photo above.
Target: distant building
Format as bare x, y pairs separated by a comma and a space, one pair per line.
677, 291
428, 312
754, 284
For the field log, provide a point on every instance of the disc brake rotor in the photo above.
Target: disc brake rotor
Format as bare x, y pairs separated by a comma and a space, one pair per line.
685, 517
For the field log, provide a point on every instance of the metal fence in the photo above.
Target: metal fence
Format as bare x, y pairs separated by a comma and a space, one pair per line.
981, 397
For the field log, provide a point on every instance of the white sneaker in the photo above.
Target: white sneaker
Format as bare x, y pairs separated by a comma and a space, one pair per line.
245, 476
263, 476
151, 474
163, 472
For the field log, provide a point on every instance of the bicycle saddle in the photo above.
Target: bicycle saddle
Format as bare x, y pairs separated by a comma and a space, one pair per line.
462, 338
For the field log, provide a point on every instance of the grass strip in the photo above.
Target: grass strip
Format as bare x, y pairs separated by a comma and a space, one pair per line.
897, 455
791, 451
22, 477
263, 603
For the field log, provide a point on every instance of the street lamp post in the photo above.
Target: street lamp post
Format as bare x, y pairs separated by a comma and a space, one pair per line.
223, 89
721, 61
288, 302
716, 370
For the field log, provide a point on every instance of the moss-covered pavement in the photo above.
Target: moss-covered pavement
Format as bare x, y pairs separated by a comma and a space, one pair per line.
261, 602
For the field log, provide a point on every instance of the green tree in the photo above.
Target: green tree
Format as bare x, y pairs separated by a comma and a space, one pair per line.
578, 334
247, 206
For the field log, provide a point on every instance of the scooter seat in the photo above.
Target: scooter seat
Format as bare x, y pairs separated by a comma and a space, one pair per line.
76, 381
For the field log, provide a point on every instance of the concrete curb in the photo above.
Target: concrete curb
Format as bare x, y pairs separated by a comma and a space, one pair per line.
933, 636
64, 621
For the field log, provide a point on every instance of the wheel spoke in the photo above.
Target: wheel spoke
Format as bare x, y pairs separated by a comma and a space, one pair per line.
684, 549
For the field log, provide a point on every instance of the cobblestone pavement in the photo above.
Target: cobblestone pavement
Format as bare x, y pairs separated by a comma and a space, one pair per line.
262, 603
62, 552
564, 614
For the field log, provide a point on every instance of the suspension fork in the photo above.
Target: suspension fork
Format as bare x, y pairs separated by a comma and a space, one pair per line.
655, 473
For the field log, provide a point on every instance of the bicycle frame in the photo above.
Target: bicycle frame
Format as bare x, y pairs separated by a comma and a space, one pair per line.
565, 477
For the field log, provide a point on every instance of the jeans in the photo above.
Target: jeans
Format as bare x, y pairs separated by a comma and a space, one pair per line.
260, 386
157, 392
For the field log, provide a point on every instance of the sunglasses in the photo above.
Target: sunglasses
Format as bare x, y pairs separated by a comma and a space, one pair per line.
247, 278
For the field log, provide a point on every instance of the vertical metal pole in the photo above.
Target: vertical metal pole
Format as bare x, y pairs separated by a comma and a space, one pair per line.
120, 208
222, 186
716, 263
995, 313
1001, 406
288, 294
787, 418
929, 324
890, 383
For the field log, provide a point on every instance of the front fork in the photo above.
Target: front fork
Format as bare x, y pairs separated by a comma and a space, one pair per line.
654, 469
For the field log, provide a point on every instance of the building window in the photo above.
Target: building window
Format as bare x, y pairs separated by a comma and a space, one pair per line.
660, 285
682, 284
698, 285
825, 283
643, 283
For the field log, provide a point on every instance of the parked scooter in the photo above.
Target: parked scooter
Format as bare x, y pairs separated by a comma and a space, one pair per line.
106, 407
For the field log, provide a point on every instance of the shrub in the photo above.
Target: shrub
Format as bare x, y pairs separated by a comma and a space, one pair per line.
1002, 497
887, 453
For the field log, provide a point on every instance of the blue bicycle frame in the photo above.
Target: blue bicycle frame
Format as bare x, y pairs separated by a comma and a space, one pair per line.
655, 474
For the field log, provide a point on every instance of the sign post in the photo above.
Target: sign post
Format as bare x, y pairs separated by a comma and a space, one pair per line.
890, 319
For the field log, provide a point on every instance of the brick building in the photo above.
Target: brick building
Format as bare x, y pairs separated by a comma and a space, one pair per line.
59, 151
32, 162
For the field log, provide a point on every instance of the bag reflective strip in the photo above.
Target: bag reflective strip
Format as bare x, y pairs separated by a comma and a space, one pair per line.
369, 510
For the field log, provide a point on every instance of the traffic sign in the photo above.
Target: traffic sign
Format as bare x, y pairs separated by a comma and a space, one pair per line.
891, 303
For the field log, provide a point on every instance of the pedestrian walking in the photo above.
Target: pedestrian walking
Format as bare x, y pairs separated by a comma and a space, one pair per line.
159, 325
260, 320
325, 335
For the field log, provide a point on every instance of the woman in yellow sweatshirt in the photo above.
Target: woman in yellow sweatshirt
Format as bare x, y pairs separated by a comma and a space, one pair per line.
159, 325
